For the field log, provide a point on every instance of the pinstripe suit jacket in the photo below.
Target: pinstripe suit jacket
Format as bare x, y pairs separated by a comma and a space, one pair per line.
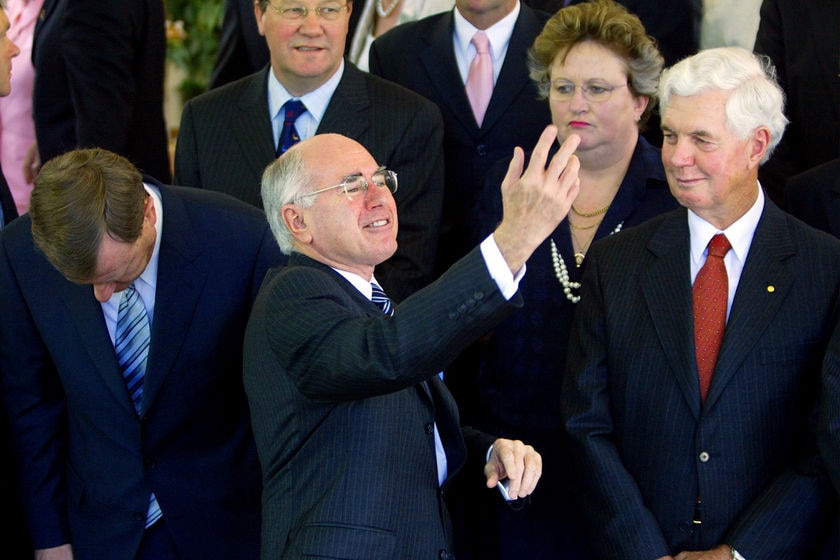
643, 445
225, 142
343, 426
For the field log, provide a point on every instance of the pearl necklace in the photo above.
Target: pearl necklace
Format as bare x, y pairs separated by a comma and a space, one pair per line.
562, 273
384, 12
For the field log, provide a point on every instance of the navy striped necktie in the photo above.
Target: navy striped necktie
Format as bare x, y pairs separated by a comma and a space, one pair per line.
379, 297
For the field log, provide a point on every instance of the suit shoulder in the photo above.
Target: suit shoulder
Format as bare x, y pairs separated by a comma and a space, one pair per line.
216, 205
224, 95
397, 97
394, 40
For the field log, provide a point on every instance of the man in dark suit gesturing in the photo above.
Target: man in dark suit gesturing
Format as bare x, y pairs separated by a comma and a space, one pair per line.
694, 431
357, 434
161, 464
230, 134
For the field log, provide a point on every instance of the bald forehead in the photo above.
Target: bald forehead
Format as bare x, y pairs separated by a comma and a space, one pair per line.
333, 154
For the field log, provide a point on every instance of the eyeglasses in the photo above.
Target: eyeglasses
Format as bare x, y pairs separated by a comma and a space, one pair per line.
355, 184
597, 92
329, 12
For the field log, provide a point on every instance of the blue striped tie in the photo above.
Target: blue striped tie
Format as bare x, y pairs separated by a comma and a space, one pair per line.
131, 343
379, 298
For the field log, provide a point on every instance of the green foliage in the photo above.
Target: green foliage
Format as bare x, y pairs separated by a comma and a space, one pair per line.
192, 37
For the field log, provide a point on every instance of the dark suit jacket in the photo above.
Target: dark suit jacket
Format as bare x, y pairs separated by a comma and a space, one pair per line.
801, 39
12, 533
242, 50
7, 202
643, 445
99, 80
813, 196
225, 143
419, 55
89, 461
343, 425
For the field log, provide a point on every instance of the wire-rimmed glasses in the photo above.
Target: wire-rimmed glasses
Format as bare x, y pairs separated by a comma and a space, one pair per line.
355, 184
595, 91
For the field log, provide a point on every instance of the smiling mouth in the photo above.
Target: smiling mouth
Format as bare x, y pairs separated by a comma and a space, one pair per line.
378, 223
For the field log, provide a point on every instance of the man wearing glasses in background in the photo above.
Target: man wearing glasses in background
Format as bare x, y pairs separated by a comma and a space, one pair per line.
357, 435
230, 134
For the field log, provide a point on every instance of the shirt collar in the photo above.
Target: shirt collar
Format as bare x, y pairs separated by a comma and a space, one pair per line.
499, 33
149, 275
316, 101
359, 283
740, 233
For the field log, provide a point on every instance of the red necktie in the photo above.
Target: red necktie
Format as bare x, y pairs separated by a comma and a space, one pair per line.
710, 295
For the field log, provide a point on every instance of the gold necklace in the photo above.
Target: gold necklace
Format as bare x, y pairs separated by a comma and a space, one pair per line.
590, 214
573, 226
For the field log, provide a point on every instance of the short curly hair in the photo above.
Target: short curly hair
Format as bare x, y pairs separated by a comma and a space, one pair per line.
606, 23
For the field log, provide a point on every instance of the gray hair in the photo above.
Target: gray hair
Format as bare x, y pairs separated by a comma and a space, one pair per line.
282, 182
755, 98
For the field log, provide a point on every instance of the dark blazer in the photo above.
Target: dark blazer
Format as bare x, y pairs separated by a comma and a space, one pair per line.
419, 55
13, 533
99, 80
829, 435
643, 445
801, 39
7, 202
242, 50
813, 196
225, 143
342, 421
89, 461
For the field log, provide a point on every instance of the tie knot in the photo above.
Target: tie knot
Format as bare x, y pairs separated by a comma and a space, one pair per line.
293, 109
379, 297
481, 43
719, 245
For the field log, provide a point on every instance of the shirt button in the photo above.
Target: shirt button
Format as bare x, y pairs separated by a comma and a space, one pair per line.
704, 457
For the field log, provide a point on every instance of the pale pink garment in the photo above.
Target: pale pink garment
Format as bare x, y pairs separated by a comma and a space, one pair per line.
480, 78
17, 130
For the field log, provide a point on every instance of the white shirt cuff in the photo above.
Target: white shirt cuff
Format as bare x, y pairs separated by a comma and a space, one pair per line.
498, 268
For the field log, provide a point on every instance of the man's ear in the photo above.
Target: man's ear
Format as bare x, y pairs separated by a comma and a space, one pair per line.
760, 142
295, 222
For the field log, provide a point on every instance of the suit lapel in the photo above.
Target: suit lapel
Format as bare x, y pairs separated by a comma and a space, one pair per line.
93, 333
179, 285
438, 60
763, 287
666, 286
47, 9
514, 76
348, 115
252, 129
833, 209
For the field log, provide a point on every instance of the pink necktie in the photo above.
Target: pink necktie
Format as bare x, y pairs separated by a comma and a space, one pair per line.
710, 295
480, 79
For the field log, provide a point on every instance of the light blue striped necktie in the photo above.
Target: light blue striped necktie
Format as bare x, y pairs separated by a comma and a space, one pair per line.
131, 343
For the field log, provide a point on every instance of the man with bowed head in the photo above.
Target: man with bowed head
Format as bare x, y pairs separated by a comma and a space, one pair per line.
693, 432
357, 434
124, 303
